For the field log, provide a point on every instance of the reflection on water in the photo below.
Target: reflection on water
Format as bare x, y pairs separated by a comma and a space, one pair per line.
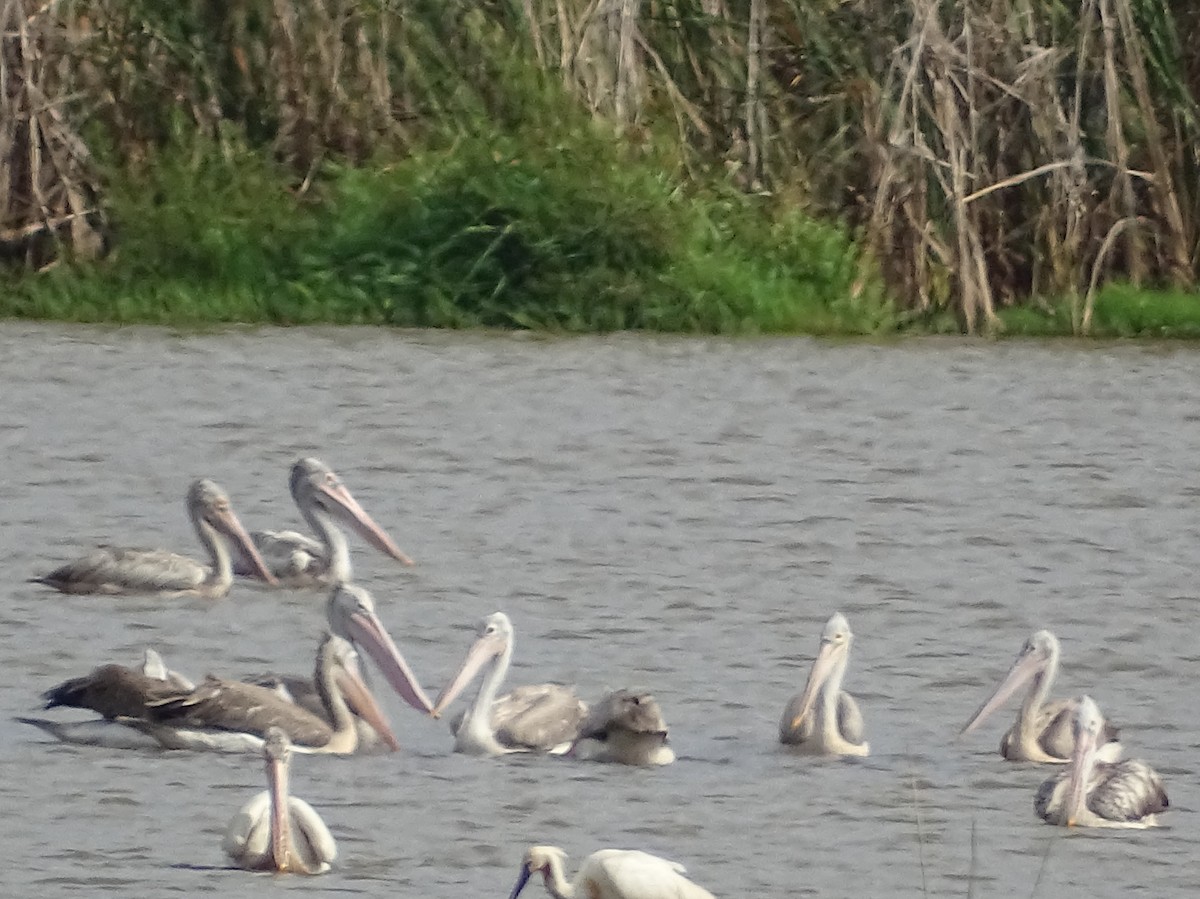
677, 514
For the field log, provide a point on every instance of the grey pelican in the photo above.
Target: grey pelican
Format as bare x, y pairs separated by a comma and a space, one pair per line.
275, 831
350, 611
824, 719
1043, 731
1096, 790
233, 716
157, 571
541, 718
324, 502
625, 727
608, 874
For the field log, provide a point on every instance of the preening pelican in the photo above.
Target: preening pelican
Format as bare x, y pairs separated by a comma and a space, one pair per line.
540, 718
157, 571
275, 831
324, 502
1043, 731
625, 727
608, 874
1099, 791
233, 716
824, 719
350, 611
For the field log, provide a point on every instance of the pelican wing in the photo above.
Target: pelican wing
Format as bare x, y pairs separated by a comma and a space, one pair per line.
625, 710
1127, 791
313, 841
109, 569
247, 839
538, 716
1055, 734
288, 554
244, 708
849, 718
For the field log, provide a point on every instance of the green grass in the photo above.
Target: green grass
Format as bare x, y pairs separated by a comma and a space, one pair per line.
1120, 311
573, 235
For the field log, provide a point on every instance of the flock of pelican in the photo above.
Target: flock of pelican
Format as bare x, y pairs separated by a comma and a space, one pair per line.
335, 712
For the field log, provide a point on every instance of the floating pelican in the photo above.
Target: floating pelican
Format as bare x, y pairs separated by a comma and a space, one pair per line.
119, 694
1097, 790
1043, 731
625, 727
275, 831
324, 502
350, 611
233, 716
541, 718
157, 571
824, 719
609, 874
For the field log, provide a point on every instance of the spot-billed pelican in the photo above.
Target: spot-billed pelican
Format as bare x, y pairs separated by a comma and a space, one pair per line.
233, 716
157, 571
625, 727
608, 874
824, 719
350, 611
275, 831
1043, 731
536, 718
1096, 790
324, 502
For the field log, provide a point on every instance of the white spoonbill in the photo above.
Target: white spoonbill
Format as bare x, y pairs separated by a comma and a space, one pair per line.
609, 874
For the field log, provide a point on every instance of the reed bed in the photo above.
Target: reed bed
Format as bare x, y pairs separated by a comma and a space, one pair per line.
985, 156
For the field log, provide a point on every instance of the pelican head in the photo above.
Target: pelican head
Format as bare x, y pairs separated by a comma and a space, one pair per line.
548, 860
828, 667
1037, 661
1087, 726
210, 509
315, 485
350, 611
494, 641
339, 656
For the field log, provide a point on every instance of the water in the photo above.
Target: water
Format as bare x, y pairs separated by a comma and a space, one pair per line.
677, 514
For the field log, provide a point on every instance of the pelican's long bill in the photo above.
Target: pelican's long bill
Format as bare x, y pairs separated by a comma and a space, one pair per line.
482, 651
1083, 758
345, 507
1028, 665
823, 666
222, 518
277, 782
365, 629
360, 698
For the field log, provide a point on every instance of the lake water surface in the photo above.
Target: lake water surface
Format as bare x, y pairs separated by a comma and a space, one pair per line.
679, 514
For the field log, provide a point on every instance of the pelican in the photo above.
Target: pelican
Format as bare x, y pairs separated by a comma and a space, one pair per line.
114, 570
541, 718
824, 719
119, 694
275, 831
609, 874
324, 502
1043, 731
350, 612
1096, 790
625, 727
233, 716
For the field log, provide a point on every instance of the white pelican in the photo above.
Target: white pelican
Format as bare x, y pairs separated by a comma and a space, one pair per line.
625, 727
1099, 791
275, 831
350, 612
824, 719
608, 874
115, 570
233, 716
541, 718
1043, 731
324, 502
